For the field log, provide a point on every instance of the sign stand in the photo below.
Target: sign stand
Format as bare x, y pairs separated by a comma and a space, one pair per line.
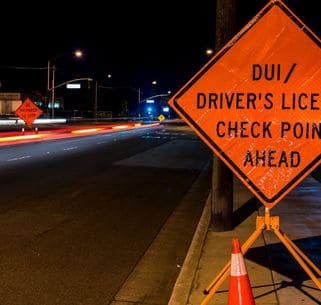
257, 104
266, 223
28, 111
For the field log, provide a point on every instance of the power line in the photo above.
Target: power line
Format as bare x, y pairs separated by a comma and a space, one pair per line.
23, 68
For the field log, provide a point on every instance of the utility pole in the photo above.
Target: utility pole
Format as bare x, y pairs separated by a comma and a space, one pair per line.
222, 177
96, 100
53, 91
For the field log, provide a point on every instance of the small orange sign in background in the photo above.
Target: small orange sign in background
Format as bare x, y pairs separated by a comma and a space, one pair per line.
28, 111
257, 103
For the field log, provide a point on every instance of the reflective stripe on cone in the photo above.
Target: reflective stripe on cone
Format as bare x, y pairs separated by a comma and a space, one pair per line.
240, 292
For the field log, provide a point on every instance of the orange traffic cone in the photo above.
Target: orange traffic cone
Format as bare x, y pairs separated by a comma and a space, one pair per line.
240, 292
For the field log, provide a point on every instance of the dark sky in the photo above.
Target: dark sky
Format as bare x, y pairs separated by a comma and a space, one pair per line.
135, 41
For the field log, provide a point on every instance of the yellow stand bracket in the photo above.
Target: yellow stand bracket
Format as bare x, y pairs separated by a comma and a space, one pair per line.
266, 223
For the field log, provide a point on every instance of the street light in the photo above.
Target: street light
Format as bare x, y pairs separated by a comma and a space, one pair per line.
77, 54
155, 96
72, 81
112, 88
209, 51
109, 76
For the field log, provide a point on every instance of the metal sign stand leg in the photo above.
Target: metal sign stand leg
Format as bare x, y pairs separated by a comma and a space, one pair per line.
268, 223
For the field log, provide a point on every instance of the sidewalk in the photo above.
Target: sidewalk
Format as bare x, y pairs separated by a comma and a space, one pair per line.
276, 278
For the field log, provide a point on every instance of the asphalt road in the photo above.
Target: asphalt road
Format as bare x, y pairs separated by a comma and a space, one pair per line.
79, 215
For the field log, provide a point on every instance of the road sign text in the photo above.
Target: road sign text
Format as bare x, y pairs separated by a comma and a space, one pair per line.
257, 103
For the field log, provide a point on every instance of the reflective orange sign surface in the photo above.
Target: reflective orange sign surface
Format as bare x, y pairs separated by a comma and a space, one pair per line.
257, 103
28, 111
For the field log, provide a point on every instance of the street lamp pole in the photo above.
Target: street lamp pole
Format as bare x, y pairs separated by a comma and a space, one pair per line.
48, 76
154, 96
52, 69
54, 86
96, 100
48, 85
53, 91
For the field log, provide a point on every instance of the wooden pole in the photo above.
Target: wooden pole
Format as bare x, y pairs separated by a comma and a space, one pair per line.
222, 177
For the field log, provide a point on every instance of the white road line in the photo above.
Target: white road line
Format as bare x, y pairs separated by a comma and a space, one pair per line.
20, 158
71, 148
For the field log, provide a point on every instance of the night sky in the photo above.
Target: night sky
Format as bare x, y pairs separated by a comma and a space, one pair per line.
135, 41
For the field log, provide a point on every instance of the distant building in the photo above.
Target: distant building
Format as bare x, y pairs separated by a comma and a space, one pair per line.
9, 102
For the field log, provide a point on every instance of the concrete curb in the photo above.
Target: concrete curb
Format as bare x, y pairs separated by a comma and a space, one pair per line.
184, 282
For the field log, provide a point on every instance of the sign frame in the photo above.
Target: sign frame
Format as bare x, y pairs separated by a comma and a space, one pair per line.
28, 111
194, 122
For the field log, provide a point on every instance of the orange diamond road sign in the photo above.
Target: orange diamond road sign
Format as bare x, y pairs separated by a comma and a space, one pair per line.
28, 111
257, 103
